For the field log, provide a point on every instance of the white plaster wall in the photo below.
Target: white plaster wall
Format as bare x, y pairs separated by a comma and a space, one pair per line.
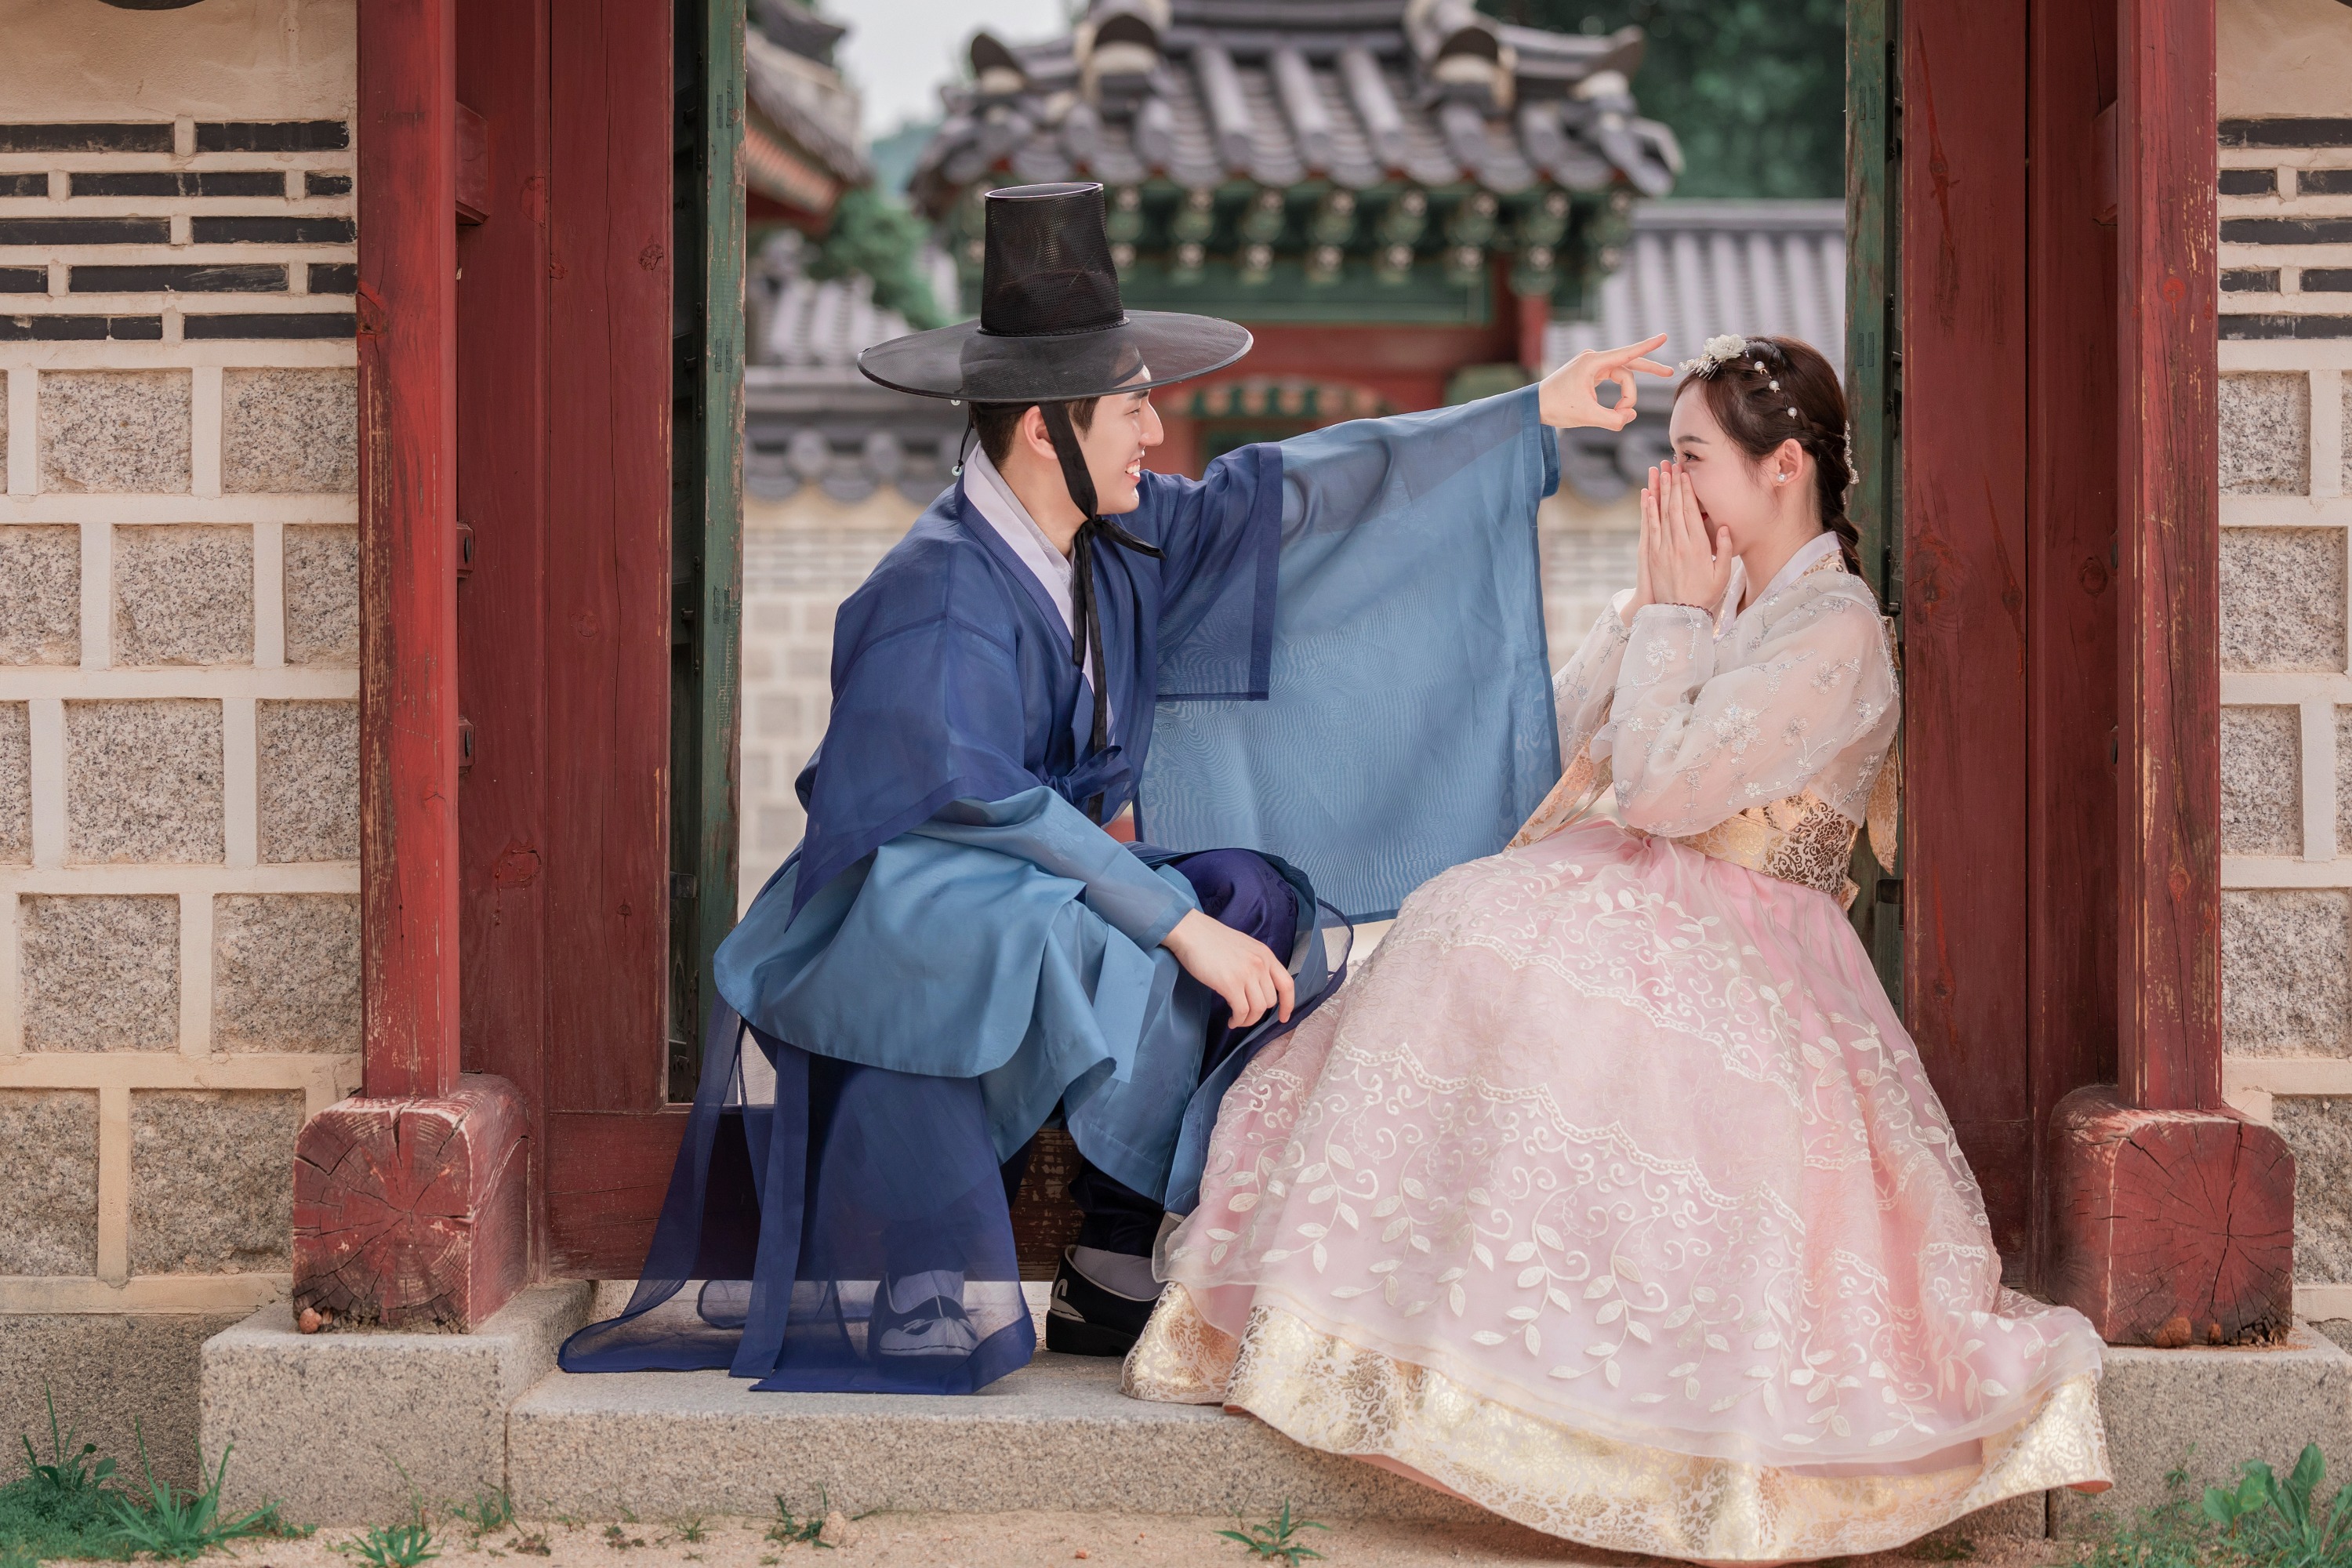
221, 59
2283, 57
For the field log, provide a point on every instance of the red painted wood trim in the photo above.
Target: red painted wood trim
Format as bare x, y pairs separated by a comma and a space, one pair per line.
408, 640
2072, 613
473, 176
2168, 975
502, 69
605, 1177
1964, 606
606, 852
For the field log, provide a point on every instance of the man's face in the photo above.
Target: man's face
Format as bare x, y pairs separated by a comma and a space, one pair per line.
1125, 426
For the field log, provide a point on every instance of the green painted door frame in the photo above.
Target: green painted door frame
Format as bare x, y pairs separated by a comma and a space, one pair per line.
1873, 357
706, 514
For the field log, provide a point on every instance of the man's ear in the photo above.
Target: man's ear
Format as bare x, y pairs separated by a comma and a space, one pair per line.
1033, 433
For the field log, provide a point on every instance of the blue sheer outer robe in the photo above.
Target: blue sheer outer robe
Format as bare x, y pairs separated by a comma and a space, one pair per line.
954, 917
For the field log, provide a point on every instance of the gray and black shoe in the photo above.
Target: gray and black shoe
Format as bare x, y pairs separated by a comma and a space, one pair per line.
1087, 1318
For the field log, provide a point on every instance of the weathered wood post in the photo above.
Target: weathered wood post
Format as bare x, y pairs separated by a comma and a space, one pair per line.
2173, 1217
410, 1201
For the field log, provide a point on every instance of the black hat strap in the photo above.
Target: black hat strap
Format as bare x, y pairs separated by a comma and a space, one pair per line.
1085, 620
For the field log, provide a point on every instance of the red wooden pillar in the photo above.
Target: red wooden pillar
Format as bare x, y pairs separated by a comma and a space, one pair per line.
1963, 344
410, 1200
2174, 1218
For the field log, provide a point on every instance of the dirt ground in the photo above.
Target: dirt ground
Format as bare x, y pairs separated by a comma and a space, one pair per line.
1025, 1540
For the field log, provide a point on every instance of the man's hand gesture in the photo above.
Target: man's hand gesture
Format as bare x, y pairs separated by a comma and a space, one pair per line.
1570, 396
1239, 968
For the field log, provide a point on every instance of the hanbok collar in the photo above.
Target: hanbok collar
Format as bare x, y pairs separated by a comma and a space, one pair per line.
1809, 555
985, 488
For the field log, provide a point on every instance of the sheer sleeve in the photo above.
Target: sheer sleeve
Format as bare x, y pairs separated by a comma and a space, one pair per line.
1694, 746
1581, 689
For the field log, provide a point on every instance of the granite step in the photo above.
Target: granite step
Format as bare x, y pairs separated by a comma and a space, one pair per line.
1056, 1435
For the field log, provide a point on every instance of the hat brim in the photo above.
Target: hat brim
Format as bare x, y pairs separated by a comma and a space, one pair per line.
1150, 348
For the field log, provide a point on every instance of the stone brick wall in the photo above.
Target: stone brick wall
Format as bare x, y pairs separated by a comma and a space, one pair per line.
2286, 720
179, 613
804, 555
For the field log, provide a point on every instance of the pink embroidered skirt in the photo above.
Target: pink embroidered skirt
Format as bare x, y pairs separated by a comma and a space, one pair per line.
1611, 1194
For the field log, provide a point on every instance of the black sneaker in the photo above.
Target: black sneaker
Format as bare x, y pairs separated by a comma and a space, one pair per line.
937, 1328
1085, 1318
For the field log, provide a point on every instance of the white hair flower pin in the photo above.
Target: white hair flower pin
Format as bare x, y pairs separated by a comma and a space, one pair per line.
1719, 351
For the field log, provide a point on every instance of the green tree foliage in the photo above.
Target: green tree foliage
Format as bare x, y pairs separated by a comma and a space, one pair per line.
1754, 89
874, 235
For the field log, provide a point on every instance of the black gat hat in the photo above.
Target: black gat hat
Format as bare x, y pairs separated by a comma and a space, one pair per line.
1051, 328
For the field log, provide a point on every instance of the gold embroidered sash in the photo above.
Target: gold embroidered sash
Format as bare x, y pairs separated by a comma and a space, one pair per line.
1799, 839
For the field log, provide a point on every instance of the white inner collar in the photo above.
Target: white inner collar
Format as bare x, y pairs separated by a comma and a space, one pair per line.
994, 501
1809, 555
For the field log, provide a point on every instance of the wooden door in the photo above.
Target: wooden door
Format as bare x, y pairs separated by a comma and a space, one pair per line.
589, 554
1982, 344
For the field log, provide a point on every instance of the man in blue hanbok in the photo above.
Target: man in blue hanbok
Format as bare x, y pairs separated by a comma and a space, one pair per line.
1316, 676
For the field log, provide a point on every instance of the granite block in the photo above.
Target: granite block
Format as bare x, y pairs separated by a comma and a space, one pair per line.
2345, 447
2318, 1130
289, 430
2283, 598
322, 595
2261, 781
182, 596
99, 972
40, 593
118, 1377
310, 780
115, 430
286, 971
15, 786
2284, 987
2209, 1410
2265, 434
48, 1169
1058, 1434
211, 1180
344, 1427
143, 781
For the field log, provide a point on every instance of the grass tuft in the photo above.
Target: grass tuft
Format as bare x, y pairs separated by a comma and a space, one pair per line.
403, 1545
792, 1530
173, 1524
57, 1508
1274, 1541
488, 1511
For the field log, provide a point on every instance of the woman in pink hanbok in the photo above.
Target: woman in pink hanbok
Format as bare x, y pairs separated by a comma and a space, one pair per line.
1611, 1193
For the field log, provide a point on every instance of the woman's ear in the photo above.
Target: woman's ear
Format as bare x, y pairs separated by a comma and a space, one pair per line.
1788, 462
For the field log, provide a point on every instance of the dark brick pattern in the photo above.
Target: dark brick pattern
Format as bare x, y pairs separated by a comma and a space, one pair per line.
289, 230
93, 138
2256, 328
2288, 132
179, 182
273, 136
85, 231
284, 324
80, 329
2324, 280
2322, 183
2249, 280
35, 185
315, 184
2286, 231
180, 278
334, 278
24, 279
2250, 182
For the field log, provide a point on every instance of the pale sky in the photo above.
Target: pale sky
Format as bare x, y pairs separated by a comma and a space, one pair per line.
898, 52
